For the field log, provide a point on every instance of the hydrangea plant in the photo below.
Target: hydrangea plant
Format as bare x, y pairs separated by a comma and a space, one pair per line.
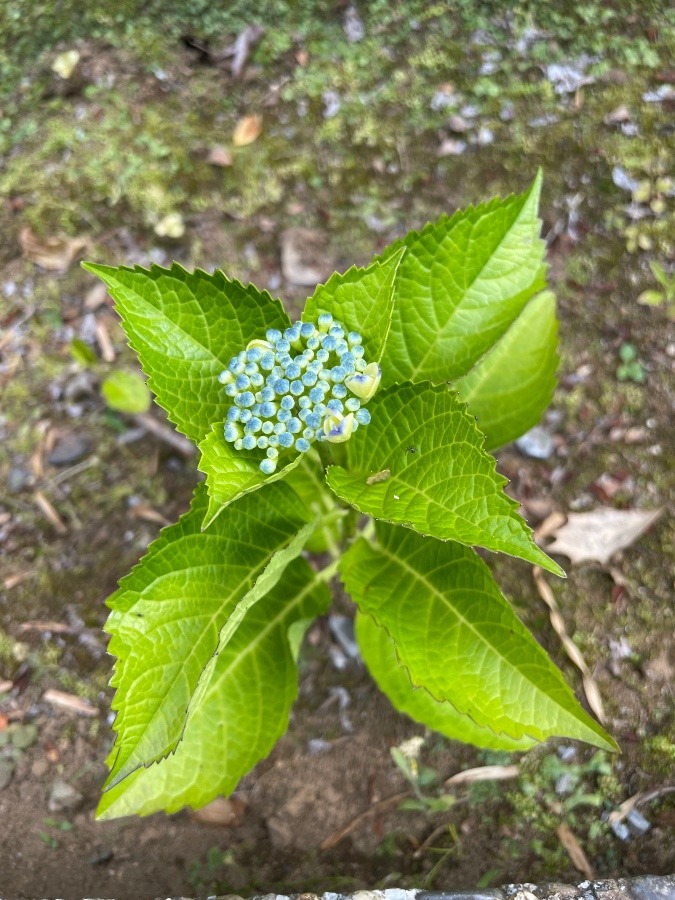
353, 443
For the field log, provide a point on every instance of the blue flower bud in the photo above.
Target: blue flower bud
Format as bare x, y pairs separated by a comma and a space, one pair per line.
238, 444
233, 414
272, 452
253, 425
362, 416
242, 382
352, 404
282, 386
317, 394
250, 369
286, 440
335, 405
309, 434
324, 321
246, 398
268, 410
267, 361
314, 342
341, 348
304, 403
232, 432
225, 377
283, 346
231, 389
354, 337
309, 379
257, 380
307, 329
339, 391
314, 367
245, 415
322, 355
294, 425
262, 442
337, 374
302, 445
284, 415
273, 335
324, 375
267, 466
357, 351
313, 420
279, 428
328, 342
274, 442
248, 442
348, 361
297, 387
267, 427
287, 402
293, 371
268, 393
253, 353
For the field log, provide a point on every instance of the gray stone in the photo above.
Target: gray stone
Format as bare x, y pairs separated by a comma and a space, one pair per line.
63, 796
536, 443
69, 449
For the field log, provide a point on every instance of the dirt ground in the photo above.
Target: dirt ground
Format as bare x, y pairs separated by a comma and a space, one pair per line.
363, 136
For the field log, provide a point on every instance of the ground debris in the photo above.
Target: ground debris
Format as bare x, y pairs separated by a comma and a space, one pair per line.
596, 536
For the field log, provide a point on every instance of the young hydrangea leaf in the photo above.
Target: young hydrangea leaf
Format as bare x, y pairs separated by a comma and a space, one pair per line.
363, 299
167, 614
440, 482
244, 709
460, 285
231, 474
185, 328
379, 654
511, 386
459, 638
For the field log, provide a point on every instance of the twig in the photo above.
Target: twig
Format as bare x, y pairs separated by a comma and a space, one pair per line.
337, 836
483, 773
428, 841
70, 701
176, 441
49, 512
618, 815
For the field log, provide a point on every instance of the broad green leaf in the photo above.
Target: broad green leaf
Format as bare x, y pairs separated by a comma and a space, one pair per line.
244, 710
379, 654
459, 638
168, 612
511, 386
185, 328
230, 473
264, 584
308, 481
362, 300
436, 478
126, 392
460, 285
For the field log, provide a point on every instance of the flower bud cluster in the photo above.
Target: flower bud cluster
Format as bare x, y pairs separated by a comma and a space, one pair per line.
295, 387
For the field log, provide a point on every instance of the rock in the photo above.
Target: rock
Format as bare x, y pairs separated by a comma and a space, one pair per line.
536, 443
342, 629
458, 124
353, 26
451, 147
223, 811
63, 796
69, 448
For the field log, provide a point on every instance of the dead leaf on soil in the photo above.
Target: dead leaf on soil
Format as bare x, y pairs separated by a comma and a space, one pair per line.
64, 64
248, 130
219, 156
598, 535
483, 773
574, 850
226, 812
55, 254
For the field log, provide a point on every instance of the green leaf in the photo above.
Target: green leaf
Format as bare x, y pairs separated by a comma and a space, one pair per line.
82, 352
511, 386
459, 638
460, 285
244, 710
168, 612
362, 300
441, 482
231, 474
379, 654
185, 328
126, 392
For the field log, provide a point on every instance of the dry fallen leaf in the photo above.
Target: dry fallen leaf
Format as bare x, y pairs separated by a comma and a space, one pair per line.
224, 811
64, 64
574, 850
483, 773
219, 156
70, 701
598, 535
248, 130
55, 254
171, 226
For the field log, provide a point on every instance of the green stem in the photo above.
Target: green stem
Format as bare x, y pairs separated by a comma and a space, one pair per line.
330, 571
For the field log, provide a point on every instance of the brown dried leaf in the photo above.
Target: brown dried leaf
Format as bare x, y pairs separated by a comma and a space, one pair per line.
219, 156
248, 130
223, 811
574, 850
55, 254
484, 773
598, 535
